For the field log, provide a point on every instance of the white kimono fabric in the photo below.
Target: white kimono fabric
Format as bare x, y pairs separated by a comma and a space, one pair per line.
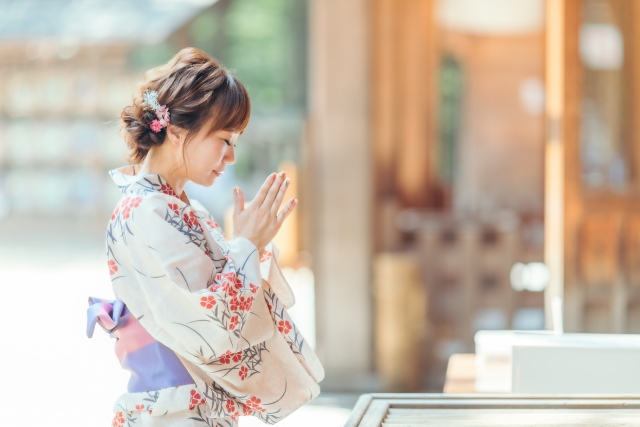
214, 303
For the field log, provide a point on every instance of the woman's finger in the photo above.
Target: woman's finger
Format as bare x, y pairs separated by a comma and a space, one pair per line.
262, 193
280, 197
288, 208
273, 191
238, 201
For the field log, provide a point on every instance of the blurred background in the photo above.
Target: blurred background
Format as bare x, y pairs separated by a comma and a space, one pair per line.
460, 166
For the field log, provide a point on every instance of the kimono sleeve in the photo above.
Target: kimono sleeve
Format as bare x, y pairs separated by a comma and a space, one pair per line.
191, 297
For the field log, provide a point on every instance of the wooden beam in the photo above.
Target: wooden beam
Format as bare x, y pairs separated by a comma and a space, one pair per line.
554, 154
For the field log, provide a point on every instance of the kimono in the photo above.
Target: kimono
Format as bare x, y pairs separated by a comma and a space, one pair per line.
200, 321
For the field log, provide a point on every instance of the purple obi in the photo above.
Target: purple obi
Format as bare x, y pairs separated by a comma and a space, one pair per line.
153, 366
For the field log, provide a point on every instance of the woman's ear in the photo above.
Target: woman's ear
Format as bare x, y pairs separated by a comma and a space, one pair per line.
175, 134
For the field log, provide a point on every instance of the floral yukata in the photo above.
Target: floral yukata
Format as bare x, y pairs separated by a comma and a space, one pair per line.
200, 322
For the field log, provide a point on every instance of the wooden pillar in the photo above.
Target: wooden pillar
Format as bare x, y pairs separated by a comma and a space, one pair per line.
404, 94
632, 69
415, 76
339, 170
554, 155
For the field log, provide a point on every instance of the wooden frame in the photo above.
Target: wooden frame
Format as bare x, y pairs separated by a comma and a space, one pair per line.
372, 410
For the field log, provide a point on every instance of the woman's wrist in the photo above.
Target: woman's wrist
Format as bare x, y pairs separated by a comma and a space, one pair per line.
252, 242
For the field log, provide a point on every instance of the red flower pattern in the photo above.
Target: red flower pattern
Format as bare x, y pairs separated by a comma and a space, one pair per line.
191, 220
253, 287
248, 303
254, 403
118, 420
243, 372
246, 410
236, 357
129, 203
115, 213
230, 278
284, 326
241, 303
233, 322
226, 286
266, 256
231, 407
207, 302
195, 400
174, 208
113, 268
139, 407
166, 189
225, 359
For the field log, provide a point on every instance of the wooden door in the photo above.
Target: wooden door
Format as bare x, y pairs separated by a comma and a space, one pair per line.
592, 163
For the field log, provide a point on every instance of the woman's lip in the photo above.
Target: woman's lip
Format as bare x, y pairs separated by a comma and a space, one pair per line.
217, 173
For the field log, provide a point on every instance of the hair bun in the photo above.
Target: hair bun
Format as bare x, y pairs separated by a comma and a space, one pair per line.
137, 130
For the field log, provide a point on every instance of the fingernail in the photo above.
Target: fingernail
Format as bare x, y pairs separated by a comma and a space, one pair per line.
235, 190
286, 181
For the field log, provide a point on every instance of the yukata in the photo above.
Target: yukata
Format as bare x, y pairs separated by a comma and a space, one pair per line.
200, 321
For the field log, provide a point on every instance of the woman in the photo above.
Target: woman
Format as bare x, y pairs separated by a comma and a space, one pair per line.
200, 321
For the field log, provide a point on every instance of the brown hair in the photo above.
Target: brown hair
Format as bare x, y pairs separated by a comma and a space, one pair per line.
197, 90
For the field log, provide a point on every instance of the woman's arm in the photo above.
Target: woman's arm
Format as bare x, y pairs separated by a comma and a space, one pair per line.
201, 308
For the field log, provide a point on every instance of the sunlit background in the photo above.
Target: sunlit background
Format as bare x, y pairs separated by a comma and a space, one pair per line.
422, 138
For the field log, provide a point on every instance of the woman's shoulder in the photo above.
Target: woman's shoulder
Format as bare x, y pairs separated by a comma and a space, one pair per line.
148, 203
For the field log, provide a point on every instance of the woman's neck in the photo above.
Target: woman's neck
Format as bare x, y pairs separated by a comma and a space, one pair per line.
161, 163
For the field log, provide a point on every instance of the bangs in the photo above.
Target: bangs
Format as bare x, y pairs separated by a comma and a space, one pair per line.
231, 107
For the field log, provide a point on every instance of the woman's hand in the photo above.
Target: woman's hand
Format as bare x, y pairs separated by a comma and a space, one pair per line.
260, 221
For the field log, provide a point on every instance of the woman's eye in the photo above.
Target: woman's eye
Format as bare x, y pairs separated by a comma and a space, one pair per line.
228, 142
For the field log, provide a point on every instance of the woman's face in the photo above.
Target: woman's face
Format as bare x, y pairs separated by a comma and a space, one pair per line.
207, 156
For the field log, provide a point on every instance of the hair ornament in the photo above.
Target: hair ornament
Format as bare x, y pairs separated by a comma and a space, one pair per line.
150, 98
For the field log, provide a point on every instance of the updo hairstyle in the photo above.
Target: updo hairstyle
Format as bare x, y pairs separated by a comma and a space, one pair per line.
197, 91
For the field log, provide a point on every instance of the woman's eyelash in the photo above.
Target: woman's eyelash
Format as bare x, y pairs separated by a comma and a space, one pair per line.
229, 143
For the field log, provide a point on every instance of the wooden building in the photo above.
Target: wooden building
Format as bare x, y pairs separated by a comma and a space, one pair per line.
509, 118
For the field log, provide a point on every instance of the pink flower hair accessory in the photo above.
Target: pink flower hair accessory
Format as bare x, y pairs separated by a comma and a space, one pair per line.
150, 98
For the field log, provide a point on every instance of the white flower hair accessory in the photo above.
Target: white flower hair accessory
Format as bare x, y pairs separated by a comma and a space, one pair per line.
150, 98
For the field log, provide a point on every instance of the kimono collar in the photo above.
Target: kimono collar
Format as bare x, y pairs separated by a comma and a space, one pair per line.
130, 183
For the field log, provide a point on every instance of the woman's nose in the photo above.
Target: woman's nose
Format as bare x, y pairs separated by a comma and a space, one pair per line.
230, 156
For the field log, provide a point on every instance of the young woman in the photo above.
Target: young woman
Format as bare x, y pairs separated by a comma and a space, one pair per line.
200, 321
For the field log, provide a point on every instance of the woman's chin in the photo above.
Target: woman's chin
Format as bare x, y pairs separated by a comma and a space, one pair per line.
206, 181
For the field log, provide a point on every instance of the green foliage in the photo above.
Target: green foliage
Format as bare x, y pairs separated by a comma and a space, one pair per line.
145, 57
451, 84
260, 48
204, 29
